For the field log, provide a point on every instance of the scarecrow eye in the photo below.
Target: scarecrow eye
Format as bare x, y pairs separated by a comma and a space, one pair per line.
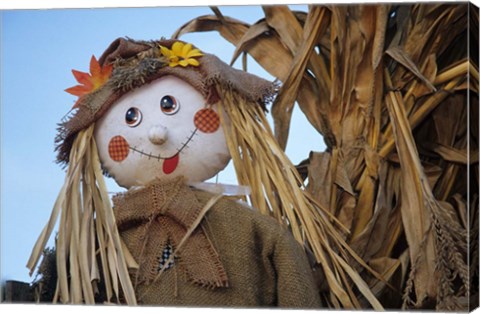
169, 105
133, 117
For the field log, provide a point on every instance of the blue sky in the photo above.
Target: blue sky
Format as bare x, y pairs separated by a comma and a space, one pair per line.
38, 50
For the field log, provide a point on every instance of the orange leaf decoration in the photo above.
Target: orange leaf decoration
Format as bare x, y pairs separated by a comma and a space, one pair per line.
90, 82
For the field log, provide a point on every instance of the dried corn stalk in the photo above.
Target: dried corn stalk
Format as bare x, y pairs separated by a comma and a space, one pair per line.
394, 91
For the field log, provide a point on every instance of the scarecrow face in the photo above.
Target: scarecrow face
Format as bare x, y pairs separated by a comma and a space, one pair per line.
163, 129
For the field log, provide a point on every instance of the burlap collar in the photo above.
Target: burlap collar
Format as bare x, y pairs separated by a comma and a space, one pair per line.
159, 198
167, 209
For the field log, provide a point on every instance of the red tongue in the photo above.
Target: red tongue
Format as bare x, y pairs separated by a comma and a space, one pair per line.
170, 164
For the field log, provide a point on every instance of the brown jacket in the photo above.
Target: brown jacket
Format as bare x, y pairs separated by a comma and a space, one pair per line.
252, 260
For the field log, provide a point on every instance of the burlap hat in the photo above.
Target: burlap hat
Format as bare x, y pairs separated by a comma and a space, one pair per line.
136, 63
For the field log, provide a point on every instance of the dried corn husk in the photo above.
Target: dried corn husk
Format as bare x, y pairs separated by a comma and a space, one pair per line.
388, 86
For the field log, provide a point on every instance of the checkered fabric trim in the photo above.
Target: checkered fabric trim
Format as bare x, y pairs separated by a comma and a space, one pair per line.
207, 120
167, 252
118, 148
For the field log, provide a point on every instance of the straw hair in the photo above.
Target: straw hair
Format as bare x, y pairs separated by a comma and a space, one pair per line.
87, 230
277, 190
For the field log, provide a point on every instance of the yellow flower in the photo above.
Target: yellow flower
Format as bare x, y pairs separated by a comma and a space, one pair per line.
181, 54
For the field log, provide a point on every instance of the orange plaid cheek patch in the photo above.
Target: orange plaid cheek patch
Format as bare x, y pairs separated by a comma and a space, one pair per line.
207, 120
118, 148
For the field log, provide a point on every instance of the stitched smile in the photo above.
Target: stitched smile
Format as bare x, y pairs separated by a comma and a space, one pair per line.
159, 157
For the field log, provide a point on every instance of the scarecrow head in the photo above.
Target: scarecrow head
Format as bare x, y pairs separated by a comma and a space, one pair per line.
155, 106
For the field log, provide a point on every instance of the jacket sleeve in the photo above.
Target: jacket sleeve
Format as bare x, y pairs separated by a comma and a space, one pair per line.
296, 287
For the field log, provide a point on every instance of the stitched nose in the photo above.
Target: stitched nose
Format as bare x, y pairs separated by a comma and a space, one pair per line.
158, 135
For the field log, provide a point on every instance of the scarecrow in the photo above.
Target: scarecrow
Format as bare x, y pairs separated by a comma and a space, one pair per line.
161, 118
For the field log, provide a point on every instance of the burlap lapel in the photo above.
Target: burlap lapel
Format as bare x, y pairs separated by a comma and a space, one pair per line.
167, 209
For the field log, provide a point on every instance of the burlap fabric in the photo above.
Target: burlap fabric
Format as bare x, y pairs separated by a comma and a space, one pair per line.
158, 215
262, 264
136, 63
